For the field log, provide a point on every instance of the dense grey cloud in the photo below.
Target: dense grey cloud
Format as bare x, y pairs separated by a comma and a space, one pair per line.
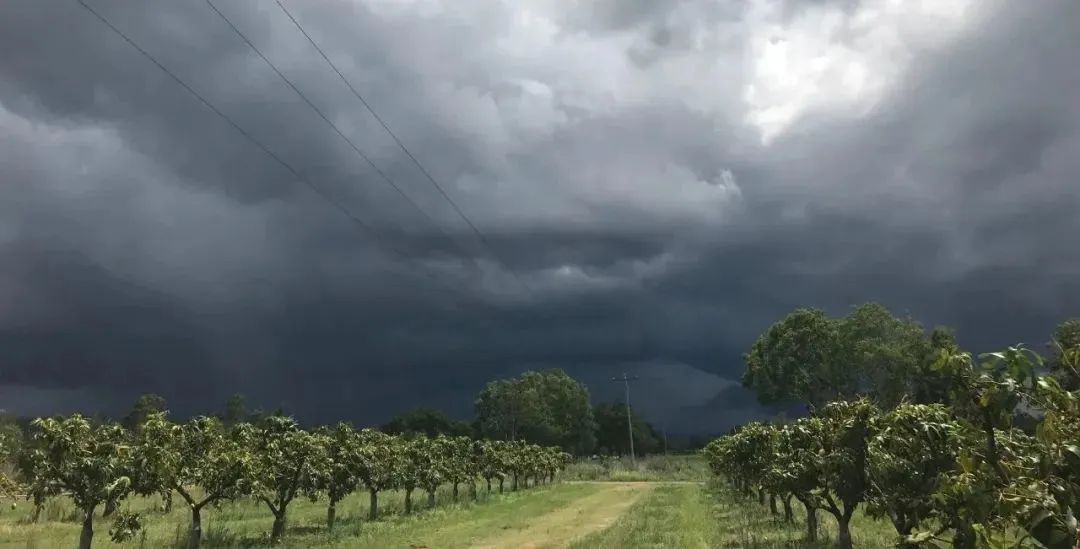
656, 182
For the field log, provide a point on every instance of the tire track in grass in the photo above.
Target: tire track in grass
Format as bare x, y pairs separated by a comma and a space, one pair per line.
577, 520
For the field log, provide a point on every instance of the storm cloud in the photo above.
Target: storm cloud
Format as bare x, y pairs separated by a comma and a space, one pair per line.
654, 183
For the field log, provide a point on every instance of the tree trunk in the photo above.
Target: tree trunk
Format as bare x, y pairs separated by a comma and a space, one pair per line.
811, 522
488, 485
87, 535
514, 484
37, 513
761, 497
408, 500
501, 482
772, 505
843, 531
331, 514
195, 535
455, 493
373, 504
472, 489
279, 527
166, 497
431, 498
787, 509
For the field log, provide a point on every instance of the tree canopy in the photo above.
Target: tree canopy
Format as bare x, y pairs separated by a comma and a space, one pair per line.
428, 422
547, 407
810, 357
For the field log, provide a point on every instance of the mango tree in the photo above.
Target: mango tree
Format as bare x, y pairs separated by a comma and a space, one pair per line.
70, 456
339, 478
288, 462
797, 467
908, 458
197, 454
431, 464
379, 465
848, 428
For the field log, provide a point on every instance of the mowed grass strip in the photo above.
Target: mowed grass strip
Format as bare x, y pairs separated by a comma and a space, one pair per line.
577, 520
693, 516
671, 515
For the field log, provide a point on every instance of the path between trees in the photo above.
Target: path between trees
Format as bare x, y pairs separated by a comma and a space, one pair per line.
584, 516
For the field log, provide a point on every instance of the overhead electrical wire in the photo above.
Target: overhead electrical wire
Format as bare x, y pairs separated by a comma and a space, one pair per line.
247, 135
476, 230
386, 178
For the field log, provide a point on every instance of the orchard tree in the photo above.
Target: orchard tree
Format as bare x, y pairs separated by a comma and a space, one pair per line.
379, 460
288, 463
848, 428
429, 465
339, 478
197, 454
797, 467
89, 463
916, 446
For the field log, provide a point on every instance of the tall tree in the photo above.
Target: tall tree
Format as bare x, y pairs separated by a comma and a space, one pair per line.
427, 422
235, 410
546, 407
810, 357
793, 360
144, 406
611, 432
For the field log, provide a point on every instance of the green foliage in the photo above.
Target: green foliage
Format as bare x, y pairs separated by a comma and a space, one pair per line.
548, 408
144, 407
810, 357
956, 471
611, 433
288, 462
427, 422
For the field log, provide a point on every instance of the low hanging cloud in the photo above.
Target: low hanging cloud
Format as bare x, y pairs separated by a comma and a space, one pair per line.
655, 183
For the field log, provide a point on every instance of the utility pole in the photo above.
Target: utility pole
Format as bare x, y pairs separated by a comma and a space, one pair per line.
625, 379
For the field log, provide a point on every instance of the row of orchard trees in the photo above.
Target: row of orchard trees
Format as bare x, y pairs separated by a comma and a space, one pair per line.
274, 461
955, 470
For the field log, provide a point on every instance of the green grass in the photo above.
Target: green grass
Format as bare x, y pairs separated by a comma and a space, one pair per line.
693, 516
690, 467
247, 524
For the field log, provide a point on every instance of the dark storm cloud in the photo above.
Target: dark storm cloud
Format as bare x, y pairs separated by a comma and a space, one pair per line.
612, 154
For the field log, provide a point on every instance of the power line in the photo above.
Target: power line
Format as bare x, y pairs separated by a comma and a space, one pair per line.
386, 178
318, 191
480, 235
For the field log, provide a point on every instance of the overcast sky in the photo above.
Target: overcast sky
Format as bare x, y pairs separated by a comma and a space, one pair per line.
655, 183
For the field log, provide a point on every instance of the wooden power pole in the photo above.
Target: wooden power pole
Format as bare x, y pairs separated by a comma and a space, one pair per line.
625, 379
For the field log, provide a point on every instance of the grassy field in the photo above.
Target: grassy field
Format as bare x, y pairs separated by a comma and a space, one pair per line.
649, 469
637, 511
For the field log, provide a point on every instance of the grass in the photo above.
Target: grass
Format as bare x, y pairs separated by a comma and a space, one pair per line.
247, 524
678, 511
693, 516
689, 467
